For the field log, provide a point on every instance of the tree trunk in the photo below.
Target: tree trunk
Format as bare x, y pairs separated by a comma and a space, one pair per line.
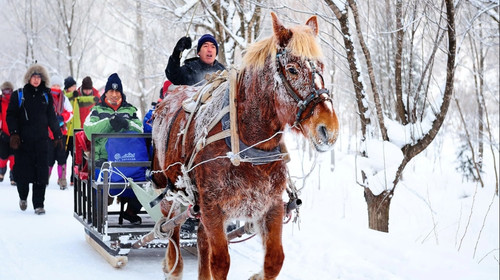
141, 59
378, 209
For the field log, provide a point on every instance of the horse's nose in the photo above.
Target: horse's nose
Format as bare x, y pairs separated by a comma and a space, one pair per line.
326, 136
322, 134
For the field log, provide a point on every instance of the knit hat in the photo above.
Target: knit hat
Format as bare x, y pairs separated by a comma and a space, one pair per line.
114, 82
6, 85
56, 80
69, 82
207, 38
167, 87
87, 83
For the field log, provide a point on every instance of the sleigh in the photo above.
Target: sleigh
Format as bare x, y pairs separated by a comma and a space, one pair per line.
104, 231
111, 236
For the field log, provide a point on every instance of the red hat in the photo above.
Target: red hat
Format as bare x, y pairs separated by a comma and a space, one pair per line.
167, 86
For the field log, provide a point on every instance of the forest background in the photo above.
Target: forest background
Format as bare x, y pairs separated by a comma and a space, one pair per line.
403, 74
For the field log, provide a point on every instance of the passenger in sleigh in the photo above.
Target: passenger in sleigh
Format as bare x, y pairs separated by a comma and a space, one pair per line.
114, 114
194, 69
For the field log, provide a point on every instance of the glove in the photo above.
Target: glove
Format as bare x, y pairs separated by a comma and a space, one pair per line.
58, 143
118, 123
15, 141
75, 94
184, 43
96, 99
60, 120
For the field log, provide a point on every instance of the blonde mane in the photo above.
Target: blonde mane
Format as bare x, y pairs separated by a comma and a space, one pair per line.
303, 43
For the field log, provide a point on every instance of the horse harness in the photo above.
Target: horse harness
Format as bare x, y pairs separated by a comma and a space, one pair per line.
240, 152
317, 96
228, 118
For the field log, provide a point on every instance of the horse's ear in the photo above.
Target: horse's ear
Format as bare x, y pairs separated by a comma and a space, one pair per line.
280, 32
313, 23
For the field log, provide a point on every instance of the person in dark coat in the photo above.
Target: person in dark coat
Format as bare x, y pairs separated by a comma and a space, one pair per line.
28, 118
194, 69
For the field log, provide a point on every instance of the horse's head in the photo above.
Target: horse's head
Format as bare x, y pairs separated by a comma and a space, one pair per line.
289, 72
300, 73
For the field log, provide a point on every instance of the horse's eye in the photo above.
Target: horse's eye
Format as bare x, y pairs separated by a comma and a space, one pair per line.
292, 70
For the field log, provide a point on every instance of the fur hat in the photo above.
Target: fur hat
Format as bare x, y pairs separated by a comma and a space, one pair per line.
56, 80
87, 83
207, 38
37, 69
7, 85
69, 82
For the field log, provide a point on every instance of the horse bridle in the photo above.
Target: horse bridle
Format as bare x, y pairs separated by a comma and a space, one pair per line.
316, 97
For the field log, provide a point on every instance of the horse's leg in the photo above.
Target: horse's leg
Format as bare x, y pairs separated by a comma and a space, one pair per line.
217, 239
271, 237
203, 255
173, 264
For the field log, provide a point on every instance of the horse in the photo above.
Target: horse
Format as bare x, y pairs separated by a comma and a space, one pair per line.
279, 86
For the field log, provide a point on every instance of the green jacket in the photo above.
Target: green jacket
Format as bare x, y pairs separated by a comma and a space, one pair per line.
98, 122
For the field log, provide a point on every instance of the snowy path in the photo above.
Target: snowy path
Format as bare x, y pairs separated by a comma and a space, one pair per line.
332, 243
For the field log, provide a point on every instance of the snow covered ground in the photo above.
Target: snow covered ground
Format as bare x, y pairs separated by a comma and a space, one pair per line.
440, 228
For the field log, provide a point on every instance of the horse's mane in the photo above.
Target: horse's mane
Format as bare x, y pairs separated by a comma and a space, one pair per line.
302, 43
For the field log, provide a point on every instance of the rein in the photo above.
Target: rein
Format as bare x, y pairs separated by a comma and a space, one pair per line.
316, 97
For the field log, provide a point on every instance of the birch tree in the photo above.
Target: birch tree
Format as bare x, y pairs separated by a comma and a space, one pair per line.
25, 19
414, 112
481, 26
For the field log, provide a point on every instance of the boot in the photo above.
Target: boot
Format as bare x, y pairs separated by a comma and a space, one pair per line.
2, 173
133, 208
61, 173
40, 211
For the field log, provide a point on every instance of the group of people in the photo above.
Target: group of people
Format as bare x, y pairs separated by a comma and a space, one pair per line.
36, 121
28, 116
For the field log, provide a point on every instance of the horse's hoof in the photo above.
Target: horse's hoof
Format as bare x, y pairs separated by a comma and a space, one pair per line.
171, 277
257, 276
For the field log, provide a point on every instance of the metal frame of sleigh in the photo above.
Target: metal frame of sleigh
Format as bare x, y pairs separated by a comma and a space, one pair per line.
103, 228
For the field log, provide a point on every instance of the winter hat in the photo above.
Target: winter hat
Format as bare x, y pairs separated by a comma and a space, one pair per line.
56, 80
207, 38
167, 87
7, 85
69, 82
87, 83
114, 82
37, 69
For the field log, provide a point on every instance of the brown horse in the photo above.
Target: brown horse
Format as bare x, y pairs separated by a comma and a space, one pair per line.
280, 85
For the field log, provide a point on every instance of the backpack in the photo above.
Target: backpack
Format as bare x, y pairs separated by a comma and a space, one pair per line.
20, 97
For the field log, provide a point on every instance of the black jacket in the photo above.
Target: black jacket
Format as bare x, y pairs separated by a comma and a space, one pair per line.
193, 70
32, 119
